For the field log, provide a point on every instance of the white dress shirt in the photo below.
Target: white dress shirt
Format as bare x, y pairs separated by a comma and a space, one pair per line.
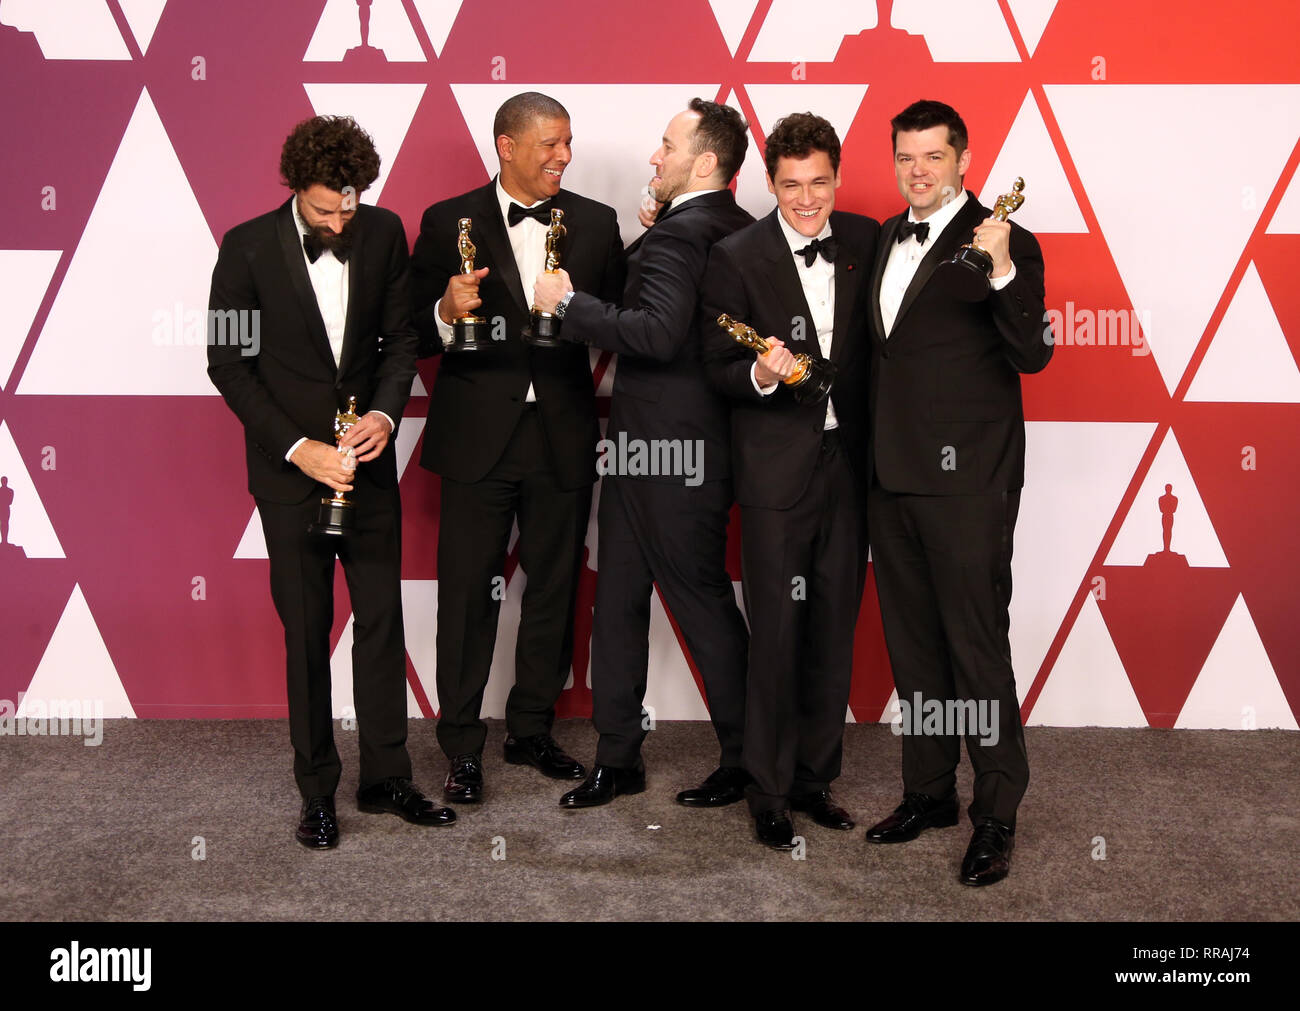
329, 280
528, 243
906, 256
818, 281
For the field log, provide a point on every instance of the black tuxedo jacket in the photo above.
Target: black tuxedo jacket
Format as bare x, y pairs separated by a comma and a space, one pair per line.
946, 411
752, 276
291, 387
659, 387
478, 396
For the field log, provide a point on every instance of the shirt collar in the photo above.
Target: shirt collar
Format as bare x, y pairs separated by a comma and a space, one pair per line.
939, 220
795, 239
504, 199
681, 198
297, 218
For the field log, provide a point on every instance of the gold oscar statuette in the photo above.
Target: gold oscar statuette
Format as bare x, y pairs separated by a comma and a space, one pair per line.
966, 275
337, 516
544, 327
812, 377
469, 332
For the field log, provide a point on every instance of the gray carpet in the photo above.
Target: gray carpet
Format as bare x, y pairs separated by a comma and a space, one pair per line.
1196, 825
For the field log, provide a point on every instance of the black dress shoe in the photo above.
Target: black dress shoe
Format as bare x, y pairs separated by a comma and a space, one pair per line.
724, 786
604, 784
823, 812
775, 829
918, 811
400, 797
540, 750
988, 857
465, 781
318, 829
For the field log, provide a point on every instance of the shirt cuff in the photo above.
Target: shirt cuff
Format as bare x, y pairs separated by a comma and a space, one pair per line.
998, 283
293, 449
444, 329
765, 391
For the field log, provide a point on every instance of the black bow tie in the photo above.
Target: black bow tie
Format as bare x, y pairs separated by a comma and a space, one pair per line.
541, 212
921, 229
313, 247
828, 247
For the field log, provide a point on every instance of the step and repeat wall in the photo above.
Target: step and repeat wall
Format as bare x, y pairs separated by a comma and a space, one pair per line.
1158, 142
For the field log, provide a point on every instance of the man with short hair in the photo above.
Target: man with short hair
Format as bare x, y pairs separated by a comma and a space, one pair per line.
948, 441
329, 278
512, 431
798, 277
665, 529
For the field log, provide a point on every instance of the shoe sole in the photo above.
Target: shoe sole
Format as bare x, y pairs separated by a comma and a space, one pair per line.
316, 847
703, 804
375, 809
512, 759
947, 821
602, 803
449, 799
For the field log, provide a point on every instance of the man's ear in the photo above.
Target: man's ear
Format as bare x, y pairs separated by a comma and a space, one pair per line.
706, 164
506, 147
963, 163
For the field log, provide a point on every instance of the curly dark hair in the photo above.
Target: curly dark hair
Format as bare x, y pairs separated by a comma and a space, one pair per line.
925, 114
332, 151
722, 130
797, 136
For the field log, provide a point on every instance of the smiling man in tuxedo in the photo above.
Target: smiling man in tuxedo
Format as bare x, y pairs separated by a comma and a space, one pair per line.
328, 277
668, 529
948, 440
798, 276
512, 431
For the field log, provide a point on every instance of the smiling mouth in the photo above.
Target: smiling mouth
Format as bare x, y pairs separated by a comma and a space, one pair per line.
553, 172
808, 214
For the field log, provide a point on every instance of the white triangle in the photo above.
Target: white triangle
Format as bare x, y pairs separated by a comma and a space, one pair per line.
253, 543
1088, 686
339, 29
1028, 152
1193, 533
420, 621
671, 691
140, 330
848, 715
1237, 688
837, 103
385, 112
1031, 18
408, 434
68, 30
76, 666
29, 524
892, 713
417, 387
24, 276
342, 701
142, 16
1249, 360
733, 18
1075, 476
438, 17
972, 31
1286, 219
501, 678
789, 35
611, 163
1174, 260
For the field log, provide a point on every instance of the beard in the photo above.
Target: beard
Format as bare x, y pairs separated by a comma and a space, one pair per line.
334, 241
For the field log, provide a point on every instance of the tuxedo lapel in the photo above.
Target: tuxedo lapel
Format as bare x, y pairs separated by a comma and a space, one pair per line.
357, 281
784, 276
888, 236
848, 281
491, 230
959, 230
291, 249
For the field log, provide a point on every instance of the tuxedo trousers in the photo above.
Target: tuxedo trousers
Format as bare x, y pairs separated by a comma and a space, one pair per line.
673, 536
803, 578
473, 536
302, 587
943, 574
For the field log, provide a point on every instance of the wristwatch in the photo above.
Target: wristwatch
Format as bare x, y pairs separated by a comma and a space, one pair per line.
562, 305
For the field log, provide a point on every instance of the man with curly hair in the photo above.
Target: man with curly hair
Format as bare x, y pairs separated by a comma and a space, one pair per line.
328, 278
799, 277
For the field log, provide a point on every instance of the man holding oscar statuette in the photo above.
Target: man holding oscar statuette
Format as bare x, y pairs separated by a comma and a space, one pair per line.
796, 283
512, 431
668, 528
948, 447
327, 278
